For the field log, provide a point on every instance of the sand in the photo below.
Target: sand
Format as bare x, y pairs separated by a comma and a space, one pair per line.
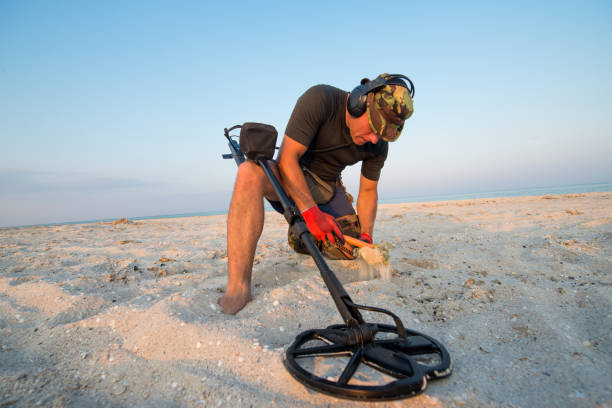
126, 314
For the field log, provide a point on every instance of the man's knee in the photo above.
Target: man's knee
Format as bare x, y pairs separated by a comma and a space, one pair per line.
251, 177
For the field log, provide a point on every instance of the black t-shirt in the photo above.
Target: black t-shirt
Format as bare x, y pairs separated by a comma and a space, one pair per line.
318, 122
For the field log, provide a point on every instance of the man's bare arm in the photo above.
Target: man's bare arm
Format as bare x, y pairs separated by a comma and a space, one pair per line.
292, 175
367, 204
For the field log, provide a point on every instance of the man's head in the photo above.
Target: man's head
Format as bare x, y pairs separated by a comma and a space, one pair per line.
388, 103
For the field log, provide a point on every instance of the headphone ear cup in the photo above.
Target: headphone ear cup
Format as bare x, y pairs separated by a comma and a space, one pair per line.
357, 101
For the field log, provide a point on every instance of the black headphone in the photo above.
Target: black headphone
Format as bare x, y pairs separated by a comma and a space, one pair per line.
357, 101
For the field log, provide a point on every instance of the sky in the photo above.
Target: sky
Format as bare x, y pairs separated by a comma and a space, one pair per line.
116, 109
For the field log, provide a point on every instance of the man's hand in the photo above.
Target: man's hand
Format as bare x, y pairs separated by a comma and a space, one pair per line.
322, 226
366, 238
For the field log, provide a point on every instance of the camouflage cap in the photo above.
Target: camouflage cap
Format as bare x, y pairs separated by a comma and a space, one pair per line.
387, 110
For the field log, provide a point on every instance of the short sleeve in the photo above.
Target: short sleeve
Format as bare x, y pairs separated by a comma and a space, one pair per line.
310, 112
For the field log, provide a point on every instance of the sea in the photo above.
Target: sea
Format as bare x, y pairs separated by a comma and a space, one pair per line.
568, 189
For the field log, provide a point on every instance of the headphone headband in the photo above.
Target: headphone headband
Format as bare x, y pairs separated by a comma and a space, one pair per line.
357, 98
380, 82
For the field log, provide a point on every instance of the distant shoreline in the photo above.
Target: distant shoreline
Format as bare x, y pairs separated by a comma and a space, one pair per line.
554, 190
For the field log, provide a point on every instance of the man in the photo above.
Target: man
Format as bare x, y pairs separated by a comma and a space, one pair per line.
329, 129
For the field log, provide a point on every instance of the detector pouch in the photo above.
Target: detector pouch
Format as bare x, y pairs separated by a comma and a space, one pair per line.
258, 141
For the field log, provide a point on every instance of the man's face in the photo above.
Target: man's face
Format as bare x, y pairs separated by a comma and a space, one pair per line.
360, 130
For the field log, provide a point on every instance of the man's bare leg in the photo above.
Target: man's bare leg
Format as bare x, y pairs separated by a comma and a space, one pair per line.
245, 221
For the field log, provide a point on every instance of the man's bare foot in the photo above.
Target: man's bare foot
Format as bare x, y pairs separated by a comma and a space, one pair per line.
233, 303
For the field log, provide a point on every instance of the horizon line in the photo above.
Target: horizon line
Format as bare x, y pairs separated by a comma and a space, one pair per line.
394, 200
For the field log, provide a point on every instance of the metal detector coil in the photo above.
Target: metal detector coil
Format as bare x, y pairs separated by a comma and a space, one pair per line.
358, 359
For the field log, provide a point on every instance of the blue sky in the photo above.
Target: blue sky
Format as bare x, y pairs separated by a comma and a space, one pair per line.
111, 109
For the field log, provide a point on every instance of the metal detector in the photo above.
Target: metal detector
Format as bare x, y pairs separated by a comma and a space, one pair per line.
369, 361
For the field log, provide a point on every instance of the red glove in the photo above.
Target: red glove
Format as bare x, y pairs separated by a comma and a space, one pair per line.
366, 238
322, 226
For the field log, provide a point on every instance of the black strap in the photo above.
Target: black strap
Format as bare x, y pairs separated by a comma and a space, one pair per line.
329, 149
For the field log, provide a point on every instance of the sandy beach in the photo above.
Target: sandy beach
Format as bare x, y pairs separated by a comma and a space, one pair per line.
125, 314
